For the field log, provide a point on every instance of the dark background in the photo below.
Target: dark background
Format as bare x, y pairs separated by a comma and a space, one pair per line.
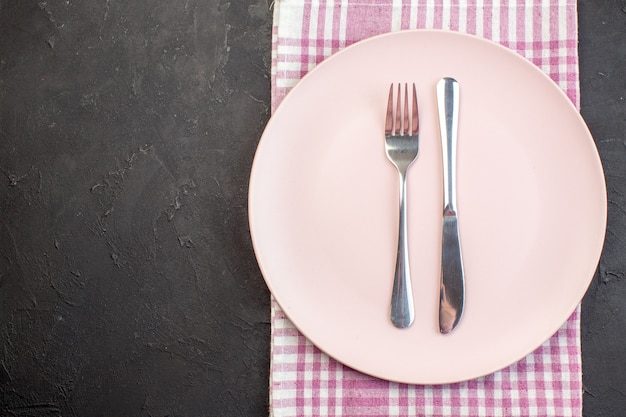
128, 284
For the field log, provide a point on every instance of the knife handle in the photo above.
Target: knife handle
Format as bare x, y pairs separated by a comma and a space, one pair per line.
448, 103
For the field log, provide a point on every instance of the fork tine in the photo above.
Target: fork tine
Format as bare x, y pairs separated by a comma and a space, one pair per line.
415, 124
389, 117
398, 127
405, 115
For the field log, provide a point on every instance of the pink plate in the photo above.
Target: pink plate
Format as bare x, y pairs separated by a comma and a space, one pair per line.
531, 201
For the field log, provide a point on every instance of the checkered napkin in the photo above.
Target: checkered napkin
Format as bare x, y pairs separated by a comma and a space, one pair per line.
306, 382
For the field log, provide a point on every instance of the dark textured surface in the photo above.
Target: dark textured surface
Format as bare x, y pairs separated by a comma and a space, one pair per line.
602, 51
128, 285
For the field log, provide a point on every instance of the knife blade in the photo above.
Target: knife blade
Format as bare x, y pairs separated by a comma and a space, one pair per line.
452, 285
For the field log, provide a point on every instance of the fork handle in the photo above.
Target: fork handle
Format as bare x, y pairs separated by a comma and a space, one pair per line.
402, 310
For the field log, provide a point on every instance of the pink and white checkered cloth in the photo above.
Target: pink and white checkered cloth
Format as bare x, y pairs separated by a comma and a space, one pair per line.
306, 382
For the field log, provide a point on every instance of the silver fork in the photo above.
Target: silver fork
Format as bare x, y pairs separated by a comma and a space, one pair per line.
401, 145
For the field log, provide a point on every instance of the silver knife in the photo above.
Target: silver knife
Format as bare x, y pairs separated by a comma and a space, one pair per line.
452, 290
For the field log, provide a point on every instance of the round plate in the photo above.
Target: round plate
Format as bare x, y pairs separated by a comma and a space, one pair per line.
531, 202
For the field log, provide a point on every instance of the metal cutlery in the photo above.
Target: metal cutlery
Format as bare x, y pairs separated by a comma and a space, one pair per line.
401, 146
452, 289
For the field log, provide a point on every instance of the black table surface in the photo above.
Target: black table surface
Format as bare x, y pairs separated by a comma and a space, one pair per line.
128, 283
